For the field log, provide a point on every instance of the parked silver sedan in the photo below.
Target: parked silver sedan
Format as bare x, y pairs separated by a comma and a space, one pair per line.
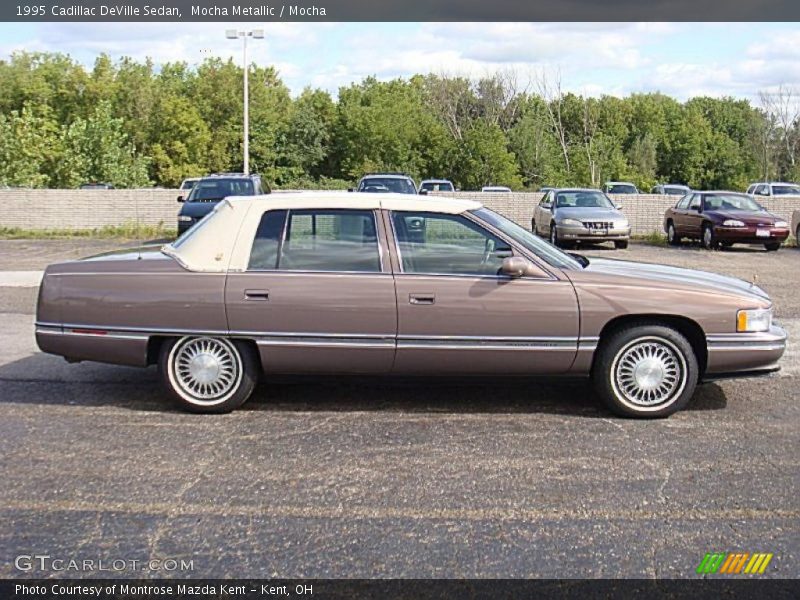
568, 216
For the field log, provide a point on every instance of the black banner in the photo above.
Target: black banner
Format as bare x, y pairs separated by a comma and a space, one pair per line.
416, 589
400, 10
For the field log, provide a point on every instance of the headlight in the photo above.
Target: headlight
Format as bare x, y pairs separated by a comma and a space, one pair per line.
184, 218
572, 222
757, 319
781, 224
732, 223
621, 224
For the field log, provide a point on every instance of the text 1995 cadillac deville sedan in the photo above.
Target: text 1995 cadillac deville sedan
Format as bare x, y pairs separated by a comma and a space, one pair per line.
392, 284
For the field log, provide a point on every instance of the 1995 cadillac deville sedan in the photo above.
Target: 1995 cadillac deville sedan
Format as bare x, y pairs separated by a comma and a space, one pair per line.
310, 283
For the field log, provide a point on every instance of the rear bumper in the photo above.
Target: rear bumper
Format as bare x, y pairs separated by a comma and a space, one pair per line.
78, 344
744, 354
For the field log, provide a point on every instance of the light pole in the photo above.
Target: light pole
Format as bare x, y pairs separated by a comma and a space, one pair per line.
233, 34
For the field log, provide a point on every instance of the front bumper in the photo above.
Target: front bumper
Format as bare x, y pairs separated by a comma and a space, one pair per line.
739, 354
584, 234
749, 234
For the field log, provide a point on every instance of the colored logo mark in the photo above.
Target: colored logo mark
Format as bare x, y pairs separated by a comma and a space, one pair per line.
734, 563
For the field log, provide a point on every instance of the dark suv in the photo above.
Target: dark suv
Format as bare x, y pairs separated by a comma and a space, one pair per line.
399, 183
209, 190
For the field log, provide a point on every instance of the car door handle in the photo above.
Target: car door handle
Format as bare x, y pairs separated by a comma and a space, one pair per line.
259, 295
421, 299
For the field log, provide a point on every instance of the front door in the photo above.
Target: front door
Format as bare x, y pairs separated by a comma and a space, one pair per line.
544, 214
317, 296
457, 314
693, 219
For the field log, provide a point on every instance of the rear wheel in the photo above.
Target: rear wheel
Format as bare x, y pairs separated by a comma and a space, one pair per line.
709, 238
772, 247
797, 236
621, 244
673, 239
645, 371
533, 225
208, 374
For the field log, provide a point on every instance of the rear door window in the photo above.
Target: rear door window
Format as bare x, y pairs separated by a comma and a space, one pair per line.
330, 240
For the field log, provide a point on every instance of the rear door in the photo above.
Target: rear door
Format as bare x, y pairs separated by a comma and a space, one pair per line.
318, 294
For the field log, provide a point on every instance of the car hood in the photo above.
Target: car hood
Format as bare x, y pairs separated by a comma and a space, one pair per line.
686, 277
750, 217
198, 209
588, 214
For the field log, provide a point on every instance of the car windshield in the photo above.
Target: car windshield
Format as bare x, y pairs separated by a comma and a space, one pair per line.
621, 188
209, 190
731, 202
188, 184
544, 250
579, 199
437, 186
398, 185
785, 190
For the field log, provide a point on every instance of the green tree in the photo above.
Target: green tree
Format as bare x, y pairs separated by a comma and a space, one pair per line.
98, 149
30, 149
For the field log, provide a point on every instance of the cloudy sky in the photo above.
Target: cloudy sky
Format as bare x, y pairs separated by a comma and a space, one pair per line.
680, 59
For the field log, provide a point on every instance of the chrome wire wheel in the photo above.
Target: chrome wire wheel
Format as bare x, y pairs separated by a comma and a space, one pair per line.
205, 370
671, 233
648, 373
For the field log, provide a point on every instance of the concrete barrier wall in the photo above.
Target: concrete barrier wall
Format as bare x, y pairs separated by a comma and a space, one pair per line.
91, 209
644, 211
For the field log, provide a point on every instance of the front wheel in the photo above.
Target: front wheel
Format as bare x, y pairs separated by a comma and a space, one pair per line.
208, 374
554, 235
621, 244
772, 247
645, 371
709, 238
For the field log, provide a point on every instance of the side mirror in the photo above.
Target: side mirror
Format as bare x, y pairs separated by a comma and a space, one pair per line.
698, 209
547, 206
517, 266
181, 199
423, 192
618, 206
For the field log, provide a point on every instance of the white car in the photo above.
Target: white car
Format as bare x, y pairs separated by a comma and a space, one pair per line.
436, 185
495, 189
775, 188
188, 183
620, 187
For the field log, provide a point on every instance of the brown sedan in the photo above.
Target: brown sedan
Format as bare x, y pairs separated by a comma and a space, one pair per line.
721, 219
391, 284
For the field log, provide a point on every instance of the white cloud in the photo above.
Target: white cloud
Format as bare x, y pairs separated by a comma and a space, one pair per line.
593, 58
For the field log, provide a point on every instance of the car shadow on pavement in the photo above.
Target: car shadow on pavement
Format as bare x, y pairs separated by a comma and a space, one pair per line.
49, 380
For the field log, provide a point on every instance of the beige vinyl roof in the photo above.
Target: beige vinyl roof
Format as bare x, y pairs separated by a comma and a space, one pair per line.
223, 242
336, 199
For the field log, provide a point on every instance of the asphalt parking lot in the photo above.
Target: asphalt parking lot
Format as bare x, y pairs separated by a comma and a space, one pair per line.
358, 478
